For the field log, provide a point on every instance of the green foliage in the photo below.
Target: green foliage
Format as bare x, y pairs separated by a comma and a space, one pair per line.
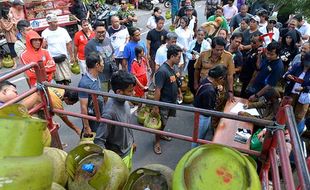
293, 6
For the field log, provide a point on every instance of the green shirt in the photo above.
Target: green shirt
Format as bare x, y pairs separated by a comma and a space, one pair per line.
224, 23
124, 14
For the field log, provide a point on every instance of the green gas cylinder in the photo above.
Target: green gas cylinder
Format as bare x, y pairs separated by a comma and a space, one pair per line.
22, 165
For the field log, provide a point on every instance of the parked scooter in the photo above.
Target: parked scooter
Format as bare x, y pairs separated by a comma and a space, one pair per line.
99, 12
148, 4
4, 48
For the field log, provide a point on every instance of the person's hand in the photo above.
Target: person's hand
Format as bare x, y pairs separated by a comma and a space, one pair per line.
261, 135
231, 97
77, 130
299, 89
196, 85
72, 60
241, 47
252, 98
180, 96
87, 130
129, 17
290, 77
260, 50
155, 110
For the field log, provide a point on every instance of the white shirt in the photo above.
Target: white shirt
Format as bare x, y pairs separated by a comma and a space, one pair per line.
151, 22
184, 37
191, 24
57, 41
297, 85
275, 31
161, 55
118, 41
304, 29
229, 12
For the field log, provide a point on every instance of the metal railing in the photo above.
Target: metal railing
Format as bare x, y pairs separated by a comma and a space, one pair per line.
274, 140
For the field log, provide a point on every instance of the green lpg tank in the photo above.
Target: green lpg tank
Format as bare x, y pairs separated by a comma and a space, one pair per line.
22, 165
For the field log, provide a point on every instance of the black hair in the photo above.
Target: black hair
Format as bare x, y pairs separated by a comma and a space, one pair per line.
6, 83
132, 30
218, 71
236, 35
218, 7
173, 50
156, 9
271, 94
22, 24
73, 96
5, 12
226, 31
246, 20
186, 20
158, 18
274, 46
298, 17
218, 41
121, 80
83, 21
92, 59
98, 24
138, 50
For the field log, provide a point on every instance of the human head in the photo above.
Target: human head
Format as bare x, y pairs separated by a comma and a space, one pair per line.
219, 11
100, 30
94, 62
256, 42
36, 43
18, 4
70, 97
272, 51
23, 26
189, 10
171, 39
272, 21
187, 2
184, 21
218, 45
134, 33
218, 73
254, 21
200, 34
5, 12
306, 60
7, 91
292, 24
156, 12
263, 15
236, 39
223, 33
174, 54
271, 95
115, 22
52, 21
244, 24
123, 4
139, 51
85, 25
299, 18
123, 82
230, 2
160, 21
244, 9
305, 48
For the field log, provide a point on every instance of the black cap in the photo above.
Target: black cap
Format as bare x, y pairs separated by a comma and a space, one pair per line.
189, 7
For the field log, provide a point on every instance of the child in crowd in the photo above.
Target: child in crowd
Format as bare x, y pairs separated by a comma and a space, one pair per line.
139, 70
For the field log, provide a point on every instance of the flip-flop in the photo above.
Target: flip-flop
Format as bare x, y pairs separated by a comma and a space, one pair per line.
157, 148
165, 138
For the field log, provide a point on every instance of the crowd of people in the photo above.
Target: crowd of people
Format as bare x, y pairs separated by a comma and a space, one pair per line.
232, 48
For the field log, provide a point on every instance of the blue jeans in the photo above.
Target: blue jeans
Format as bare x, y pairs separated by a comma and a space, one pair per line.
204, 124
301, 126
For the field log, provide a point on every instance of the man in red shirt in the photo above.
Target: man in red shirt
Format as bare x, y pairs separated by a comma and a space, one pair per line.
81, 38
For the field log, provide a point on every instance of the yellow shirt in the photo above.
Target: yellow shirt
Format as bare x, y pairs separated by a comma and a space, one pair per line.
204, 63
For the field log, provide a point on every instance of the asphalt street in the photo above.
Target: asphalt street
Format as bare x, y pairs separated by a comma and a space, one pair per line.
181, 124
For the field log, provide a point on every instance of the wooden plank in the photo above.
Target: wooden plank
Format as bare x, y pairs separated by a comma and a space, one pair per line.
227, 128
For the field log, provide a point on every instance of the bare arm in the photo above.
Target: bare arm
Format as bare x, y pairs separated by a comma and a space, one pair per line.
124, 64
66, 120
148, 47
84, 105
69, 49
196, 78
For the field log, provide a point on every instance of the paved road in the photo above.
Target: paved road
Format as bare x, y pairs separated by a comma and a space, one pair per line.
182, 124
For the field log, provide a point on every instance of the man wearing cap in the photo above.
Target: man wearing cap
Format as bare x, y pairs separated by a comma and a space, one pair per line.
126, 16
249, 33
270, 28
236, 20
58, 43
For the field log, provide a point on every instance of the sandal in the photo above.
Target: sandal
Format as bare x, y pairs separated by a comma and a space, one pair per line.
157, 148
165, 138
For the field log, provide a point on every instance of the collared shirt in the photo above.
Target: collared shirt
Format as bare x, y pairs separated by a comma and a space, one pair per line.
304, 29
88, 82
204, 63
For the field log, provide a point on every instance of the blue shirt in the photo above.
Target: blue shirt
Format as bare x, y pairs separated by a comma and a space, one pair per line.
89, 82
270, 72
129, 52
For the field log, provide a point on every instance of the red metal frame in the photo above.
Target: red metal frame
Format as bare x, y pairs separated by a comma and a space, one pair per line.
274, 139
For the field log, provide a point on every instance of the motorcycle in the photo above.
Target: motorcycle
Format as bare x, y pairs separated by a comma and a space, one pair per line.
4, 48
166, 3
148, 4
99, 12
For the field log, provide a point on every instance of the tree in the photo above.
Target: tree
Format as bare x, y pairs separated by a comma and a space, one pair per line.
292, 6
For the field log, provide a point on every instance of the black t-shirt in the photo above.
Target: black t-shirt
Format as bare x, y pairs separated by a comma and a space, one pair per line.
165, 79
249, 66
247, 36
79, 10
237, 57
111, 30
157, 38
206, 96
181, 12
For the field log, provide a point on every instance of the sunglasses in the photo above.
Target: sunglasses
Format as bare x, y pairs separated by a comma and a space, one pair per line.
272, 22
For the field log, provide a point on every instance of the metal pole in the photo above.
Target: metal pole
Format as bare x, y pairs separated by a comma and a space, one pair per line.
196, 127
274, 169
18, 71
20, 97
301, 166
